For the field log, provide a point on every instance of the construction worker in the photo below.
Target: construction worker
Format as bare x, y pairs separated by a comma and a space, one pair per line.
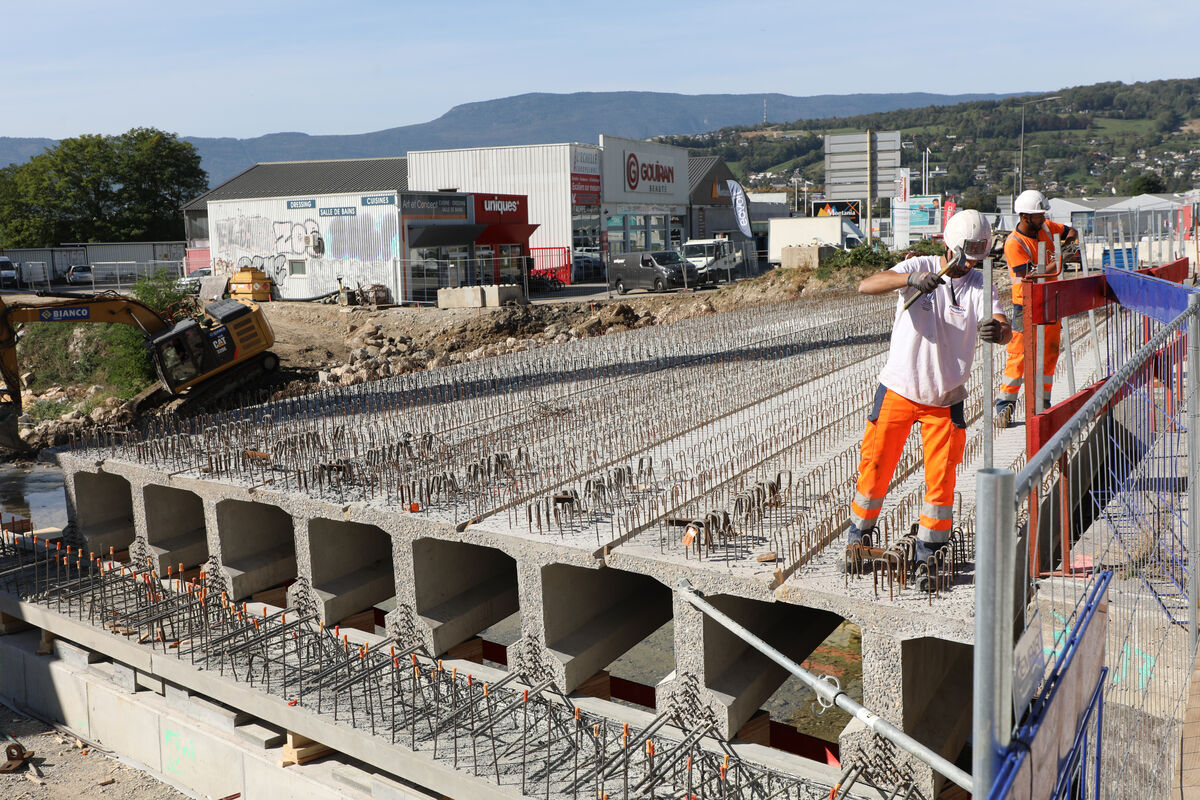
924, 380
1021, 253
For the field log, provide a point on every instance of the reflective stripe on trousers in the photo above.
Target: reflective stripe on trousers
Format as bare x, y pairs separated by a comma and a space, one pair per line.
1014, 366
883, 443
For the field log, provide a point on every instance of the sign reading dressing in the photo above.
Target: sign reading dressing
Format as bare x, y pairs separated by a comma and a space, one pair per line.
338, 211
301, 204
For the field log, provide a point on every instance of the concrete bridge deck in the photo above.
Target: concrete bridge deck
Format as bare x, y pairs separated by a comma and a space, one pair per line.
557, 483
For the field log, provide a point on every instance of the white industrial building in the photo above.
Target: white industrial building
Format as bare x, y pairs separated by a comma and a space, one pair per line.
622, 195
562, 182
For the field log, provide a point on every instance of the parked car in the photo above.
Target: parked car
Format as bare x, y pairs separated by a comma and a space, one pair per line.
656, 271
586, 267
80, 273
8, 272
191, 282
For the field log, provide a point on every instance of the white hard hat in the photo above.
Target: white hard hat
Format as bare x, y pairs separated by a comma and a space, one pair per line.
1031, 201
969, 232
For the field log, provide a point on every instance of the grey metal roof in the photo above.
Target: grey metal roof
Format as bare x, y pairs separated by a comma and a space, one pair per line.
288, 178
698, 167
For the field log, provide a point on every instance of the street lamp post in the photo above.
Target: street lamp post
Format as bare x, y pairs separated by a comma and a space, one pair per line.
1021, 157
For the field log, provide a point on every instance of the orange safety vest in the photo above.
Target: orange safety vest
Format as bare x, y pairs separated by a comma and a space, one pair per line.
1021, 250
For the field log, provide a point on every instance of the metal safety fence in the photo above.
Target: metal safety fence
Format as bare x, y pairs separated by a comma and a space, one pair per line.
1084, 564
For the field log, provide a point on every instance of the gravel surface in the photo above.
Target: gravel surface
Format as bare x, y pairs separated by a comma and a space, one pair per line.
71, 769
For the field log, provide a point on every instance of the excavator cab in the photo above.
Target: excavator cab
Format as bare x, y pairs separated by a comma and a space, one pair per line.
178, 354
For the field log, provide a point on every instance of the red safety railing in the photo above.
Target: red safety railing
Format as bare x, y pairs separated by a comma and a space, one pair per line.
552, 262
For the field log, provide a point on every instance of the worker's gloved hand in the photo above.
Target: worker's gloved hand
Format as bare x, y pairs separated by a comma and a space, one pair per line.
992, 331
923, 282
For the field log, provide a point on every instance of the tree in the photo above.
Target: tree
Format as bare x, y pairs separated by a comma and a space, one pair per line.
100, 188
1146, 183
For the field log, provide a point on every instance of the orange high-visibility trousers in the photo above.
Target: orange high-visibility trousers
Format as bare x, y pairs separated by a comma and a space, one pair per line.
1014, 365
943, 438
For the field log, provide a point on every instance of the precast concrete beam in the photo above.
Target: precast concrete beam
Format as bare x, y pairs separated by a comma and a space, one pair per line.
922, 685
720, 671
256, 546
458, 590
350, 566
175, 527
591, 617
103, 511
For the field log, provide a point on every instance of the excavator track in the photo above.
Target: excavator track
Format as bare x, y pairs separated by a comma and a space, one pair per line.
199, 398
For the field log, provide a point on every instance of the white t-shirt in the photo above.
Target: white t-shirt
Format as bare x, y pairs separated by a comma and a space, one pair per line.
933, 343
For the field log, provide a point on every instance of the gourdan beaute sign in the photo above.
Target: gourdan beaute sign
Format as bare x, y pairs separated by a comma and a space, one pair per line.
643, 172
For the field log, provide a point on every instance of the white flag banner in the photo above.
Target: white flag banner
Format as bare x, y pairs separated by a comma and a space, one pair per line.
740, 207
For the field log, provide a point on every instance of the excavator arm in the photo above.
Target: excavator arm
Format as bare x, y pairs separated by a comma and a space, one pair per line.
104, 307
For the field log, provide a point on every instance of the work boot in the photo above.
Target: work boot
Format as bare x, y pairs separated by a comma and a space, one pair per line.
1004, 412
853, 560
928, 557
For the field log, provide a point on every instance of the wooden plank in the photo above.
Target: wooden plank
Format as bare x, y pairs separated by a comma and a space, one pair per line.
362, 621
598, 685
470, 650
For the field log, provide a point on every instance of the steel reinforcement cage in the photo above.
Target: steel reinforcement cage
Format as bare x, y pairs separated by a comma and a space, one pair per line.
1085, 618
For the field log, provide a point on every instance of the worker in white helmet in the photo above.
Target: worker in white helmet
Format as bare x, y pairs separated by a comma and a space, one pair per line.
924, 380
1021, 252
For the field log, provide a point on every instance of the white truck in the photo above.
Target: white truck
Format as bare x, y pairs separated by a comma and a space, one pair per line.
715, 259
784, 232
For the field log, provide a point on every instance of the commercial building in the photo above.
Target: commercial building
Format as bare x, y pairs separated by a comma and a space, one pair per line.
311, 224
622, 195
562, 182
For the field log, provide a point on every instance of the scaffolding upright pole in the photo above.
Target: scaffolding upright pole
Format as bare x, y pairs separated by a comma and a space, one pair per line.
995, 564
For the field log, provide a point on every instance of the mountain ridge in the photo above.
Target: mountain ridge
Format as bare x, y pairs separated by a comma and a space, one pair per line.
532, 118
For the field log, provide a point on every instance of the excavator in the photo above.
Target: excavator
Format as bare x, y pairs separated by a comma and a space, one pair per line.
208, 353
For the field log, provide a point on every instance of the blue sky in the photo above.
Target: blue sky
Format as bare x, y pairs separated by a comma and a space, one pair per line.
242, 69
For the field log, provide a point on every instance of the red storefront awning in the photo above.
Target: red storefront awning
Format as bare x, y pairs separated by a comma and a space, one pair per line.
506, 233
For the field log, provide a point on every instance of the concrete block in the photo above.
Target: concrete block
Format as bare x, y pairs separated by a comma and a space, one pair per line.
152, 683
215, 714
355, 778
12, 664
261, 736
124, 676
102, 670
75, 655
57, 691
125, 723
198, 759
499, 295
460, 297
386, 787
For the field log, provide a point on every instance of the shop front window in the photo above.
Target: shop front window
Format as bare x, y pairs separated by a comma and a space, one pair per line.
585, 228
656, 232
616, 235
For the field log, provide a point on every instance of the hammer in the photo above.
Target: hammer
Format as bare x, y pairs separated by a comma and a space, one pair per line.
955, 258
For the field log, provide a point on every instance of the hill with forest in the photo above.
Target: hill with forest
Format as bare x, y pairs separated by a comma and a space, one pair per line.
536, 118
1085, 140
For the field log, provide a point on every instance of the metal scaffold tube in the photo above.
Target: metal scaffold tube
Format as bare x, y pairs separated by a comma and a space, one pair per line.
829, 692
995, 564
